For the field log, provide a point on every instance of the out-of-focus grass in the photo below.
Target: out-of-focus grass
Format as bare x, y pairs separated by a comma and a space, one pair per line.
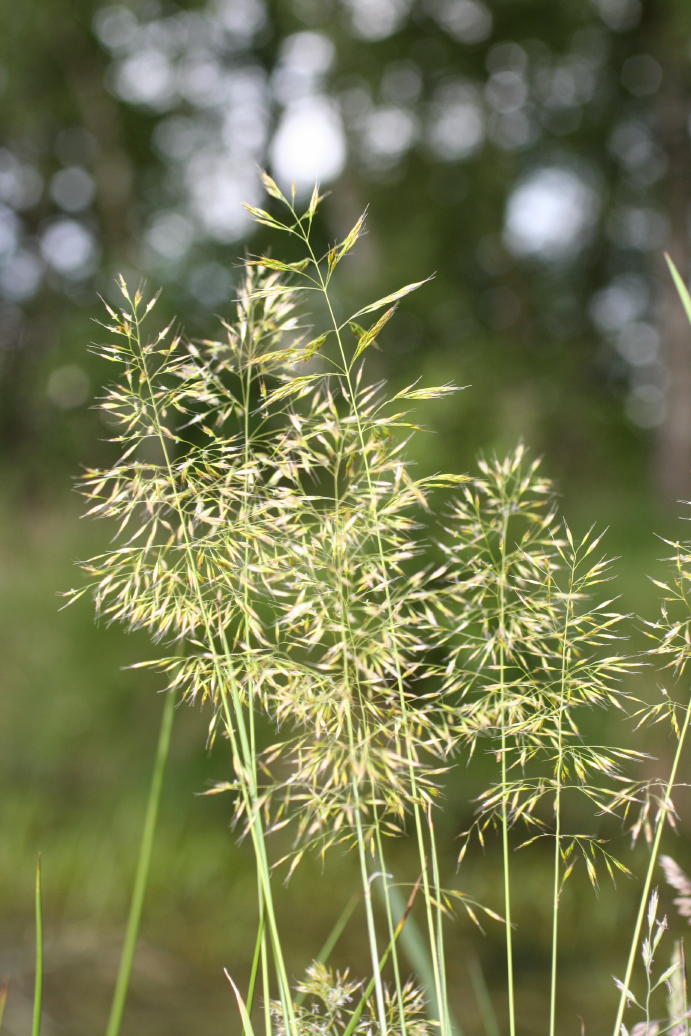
77, 733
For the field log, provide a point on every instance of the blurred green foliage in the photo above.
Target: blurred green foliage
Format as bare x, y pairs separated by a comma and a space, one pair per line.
532, 154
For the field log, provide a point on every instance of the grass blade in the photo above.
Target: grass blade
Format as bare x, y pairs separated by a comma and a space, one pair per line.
369, 988
247, 1029
334, 935
142, 872
38, 981
483, 998
337, 930
415, 949
255, 961
680, 286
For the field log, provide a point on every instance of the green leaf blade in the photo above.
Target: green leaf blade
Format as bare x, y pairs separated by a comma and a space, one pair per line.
682, 290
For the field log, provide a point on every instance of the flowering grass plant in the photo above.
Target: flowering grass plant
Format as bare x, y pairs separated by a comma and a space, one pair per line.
273, 538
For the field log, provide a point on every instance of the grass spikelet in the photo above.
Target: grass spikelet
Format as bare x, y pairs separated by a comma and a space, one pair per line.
679, 881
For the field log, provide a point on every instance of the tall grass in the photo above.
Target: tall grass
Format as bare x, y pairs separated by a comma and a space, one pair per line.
272, 536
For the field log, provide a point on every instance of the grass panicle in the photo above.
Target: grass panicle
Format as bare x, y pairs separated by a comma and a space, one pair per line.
273, 538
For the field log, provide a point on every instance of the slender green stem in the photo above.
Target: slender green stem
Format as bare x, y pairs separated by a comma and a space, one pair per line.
333, 937
483, 998
555, 891
246, 382
266, 986
38, 979
142, 872
246, 763
453, 1026
386, 893
507, 895
415, 949
504, 777
335, 933
371, 928
361, 847
647, 884
357, 1013
256, 956
557, 814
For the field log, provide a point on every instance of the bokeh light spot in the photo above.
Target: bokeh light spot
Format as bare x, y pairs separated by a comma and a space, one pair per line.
549, 213
68, 386
309, 145
68, 247
72, 189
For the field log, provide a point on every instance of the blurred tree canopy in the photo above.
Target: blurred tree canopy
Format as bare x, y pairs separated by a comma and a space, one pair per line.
534, 153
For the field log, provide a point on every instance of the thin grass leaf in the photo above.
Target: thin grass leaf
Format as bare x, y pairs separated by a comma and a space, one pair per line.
370, 987
38, 979
483, 998
682, 290
247, 1029
144, 855
255, 962
338, 929
415, 949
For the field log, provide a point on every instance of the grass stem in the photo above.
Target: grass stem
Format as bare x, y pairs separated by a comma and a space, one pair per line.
506, 860
558, 766
142, 871
38, 980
